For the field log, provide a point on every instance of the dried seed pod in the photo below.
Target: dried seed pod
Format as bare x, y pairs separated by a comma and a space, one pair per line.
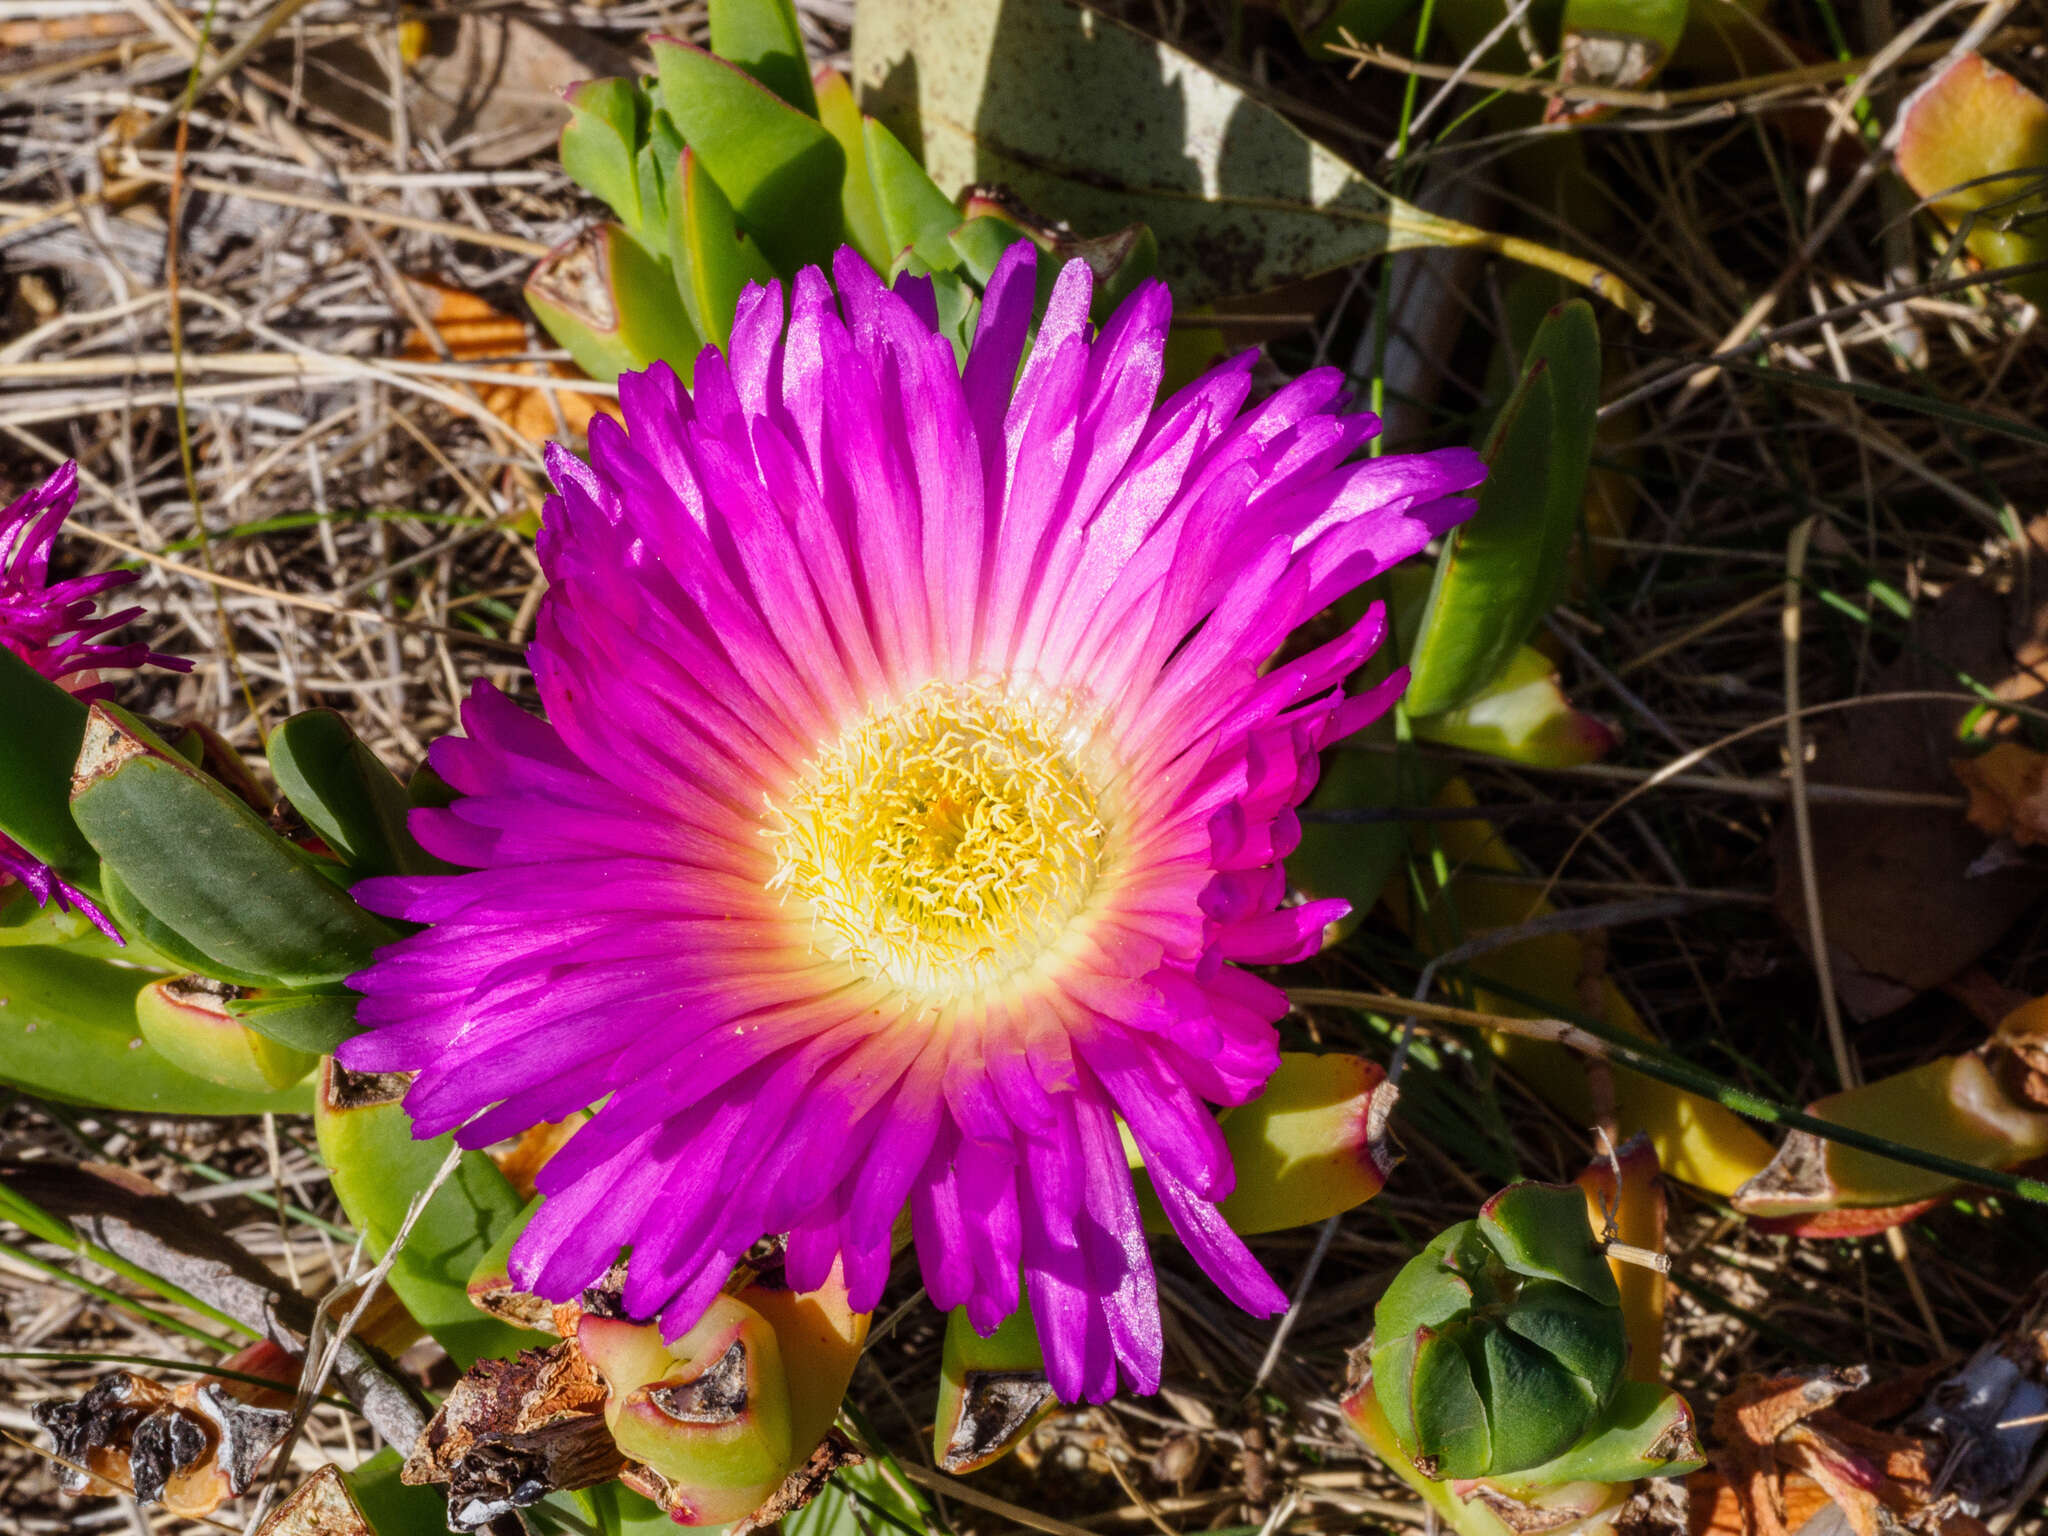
95, 1431
511, 1432
190, 1449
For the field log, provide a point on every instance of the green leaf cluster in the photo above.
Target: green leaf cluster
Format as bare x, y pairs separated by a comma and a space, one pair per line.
1499, 1352
736, 165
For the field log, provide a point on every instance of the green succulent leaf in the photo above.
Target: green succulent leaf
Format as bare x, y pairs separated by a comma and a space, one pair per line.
68, 1032
762, 37
1544, 1232
840, 115
1584, 1336
207, 868
306, 1021
346, 794
714, 259
377, 1168
612, 304
1521, 715
980, 242
1503, 569
916, 215
601, 144
1448, 1412
147, 929
779, 168
23, 920
37, 748
992, 1391
660, 154
1535, 1406
1428, 1293
1646, 1430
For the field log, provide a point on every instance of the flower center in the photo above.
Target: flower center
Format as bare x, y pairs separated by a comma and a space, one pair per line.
941, 844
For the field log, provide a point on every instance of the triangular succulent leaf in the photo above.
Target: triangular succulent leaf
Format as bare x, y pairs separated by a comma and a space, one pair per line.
1543, 1231
714, 259
762, 37
779, 168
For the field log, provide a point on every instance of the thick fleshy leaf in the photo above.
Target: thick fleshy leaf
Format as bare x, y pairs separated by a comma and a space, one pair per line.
346, 795
1522, 715
1313, 1143
1429, 1292
1954, 1106
1646, 1430
714, 259
710, 1412
992, 1391
305, 1021
1636, 1205
1450, 1416
1504, 568
1582, 1335
820, 1337
916, 215
24, 920
1972, 142
68, 1032
762, 37
600, 149
206, 866
841, 116
186, 1019
1364, 1406
980, 242
1535, 1408
612, 304
145, 928
779, 167
37, 748
377, 1168
1089, 121
1541, 1230
1618, 44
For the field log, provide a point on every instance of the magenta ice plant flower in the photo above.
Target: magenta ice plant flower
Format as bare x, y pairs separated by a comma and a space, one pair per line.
912, 796
57, 629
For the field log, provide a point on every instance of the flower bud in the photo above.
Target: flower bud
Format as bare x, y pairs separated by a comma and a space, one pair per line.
186, 1019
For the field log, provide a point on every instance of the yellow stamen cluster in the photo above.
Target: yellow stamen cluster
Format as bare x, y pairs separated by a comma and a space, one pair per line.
941, 844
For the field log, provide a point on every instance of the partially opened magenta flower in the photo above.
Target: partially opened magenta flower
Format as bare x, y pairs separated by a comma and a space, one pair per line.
56, 627
914, 785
